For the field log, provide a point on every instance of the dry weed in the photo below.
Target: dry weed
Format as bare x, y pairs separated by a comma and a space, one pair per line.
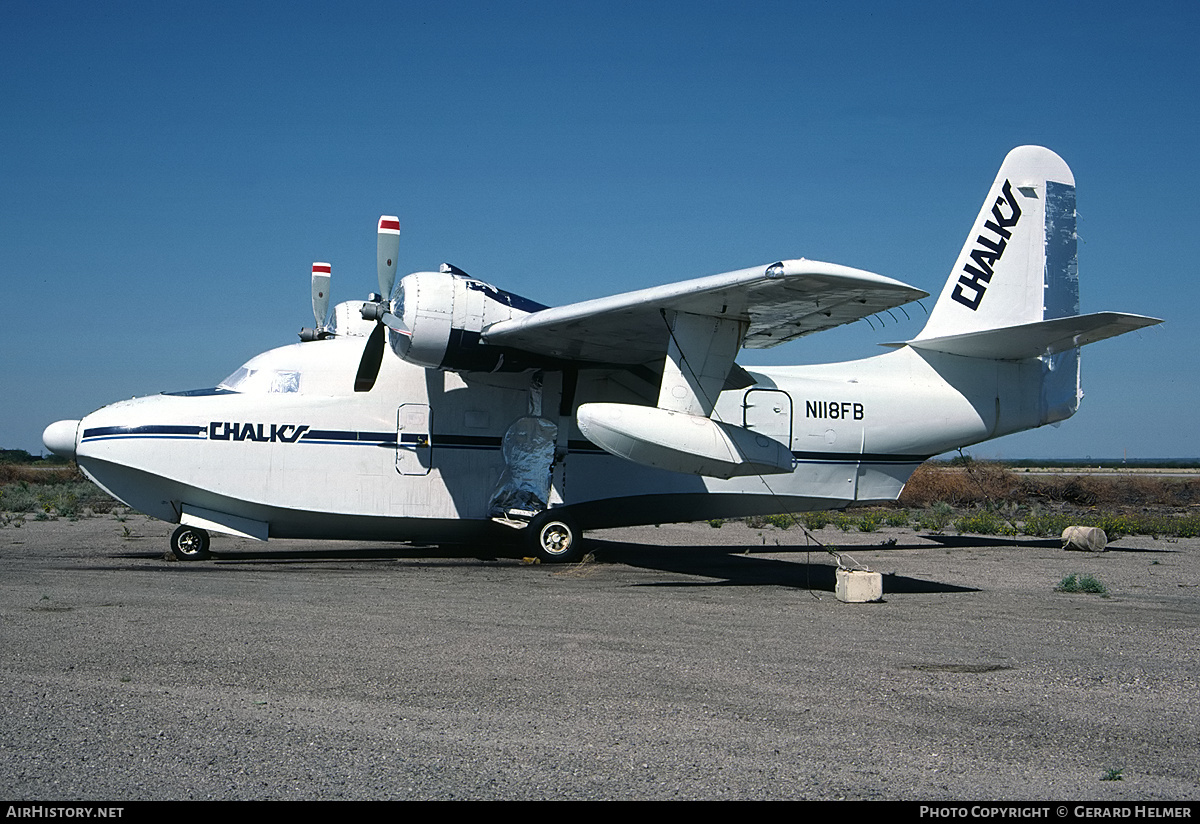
981, 483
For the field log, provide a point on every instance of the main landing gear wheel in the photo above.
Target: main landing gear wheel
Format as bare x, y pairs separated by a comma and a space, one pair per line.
190, 543
555, 540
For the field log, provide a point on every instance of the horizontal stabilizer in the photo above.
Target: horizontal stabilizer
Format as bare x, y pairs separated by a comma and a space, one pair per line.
1033, 340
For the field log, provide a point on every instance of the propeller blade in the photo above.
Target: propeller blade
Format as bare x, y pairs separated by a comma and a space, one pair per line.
321, 273
389, 248
395, 324
372, 359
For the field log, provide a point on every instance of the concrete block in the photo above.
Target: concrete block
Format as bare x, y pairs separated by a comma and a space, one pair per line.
857, 586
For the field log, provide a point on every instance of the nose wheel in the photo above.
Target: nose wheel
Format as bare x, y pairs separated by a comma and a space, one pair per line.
190, 543
555, 540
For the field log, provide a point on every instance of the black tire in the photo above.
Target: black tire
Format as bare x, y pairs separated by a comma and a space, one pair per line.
555, 540
190, 543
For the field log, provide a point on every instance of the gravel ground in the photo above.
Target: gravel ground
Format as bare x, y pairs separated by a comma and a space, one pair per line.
683, 662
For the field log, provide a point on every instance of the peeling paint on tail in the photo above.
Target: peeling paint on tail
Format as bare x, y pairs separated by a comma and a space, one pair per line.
1062, 264
1061, 387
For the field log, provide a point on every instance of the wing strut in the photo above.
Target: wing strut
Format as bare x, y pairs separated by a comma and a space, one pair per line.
680, 435
699, 356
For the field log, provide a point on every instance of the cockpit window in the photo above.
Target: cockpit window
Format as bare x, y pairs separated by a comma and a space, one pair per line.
261, 381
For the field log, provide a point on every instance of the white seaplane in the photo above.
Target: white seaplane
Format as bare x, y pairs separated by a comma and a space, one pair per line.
493, 412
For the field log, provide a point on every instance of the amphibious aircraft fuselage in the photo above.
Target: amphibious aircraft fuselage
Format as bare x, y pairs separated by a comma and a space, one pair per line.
491, 411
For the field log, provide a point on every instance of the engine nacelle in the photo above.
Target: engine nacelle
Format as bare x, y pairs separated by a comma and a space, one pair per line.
444, 313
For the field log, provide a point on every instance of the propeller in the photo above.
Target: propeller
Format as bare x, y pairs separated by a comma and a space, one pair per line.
387, 250
372, 359
379, 308
321, 273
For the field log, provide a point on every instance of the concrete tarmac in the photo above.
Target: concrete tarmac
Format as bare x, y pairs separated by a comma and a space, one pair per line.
682, 662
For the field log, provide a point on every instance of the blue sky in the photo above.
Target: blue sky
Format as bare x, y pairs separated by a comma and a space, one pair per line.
170, 171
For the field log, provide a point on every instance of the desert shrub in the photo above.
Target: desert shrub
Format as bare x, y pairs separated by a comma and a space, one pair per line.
870, 521
984, 522
67, 498
1187, 525
843, 521
936, 517
37, 475
1150, 523
1115, 526
816, 520
1076, 582
18, 497
782, 521
974, 483
65, 502
1045, 525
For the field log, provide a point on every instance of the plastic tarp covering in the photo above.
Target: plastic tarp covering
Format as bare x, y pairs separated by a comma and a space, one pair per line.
528, 449
261, 381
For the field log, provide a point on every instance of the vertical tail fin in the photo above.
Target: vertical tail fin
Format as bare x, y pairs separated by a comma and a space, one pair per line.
1017, 269
1018, 265
1013, 295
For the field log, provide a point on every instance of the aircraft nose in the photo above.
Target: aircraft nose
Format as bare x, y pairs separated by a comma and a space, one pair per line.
59, 438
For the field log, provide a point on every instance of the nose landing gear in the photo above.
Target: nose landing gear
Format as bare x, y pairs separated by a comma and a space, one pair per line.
190, 543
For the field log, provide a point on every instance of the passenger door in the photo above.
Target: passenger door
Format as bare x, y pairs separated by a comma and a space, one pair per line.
414, 439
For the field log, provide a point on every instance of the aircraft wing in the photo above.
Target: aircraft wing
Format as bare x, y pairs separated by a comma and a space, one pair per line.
777, 303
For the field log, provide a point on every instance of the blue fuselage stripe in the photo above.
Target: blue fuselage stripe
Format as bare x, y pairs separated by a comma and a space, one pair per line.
343, 437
